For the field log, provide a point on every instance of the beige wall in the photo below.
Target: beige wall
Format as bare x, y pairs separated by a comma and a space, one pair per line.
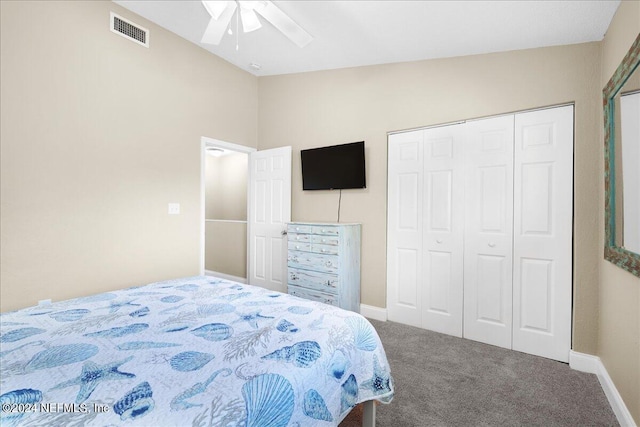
98, 135
226, 199
226, 187
332, 107
226, 248
619, 309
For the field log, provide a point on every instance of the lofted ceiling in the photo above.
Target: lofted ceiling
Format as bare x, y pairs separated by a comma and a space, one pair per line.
357, 33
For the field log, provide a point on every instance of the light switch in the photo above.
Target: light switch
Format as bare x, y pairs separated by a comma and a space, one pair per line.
174, 208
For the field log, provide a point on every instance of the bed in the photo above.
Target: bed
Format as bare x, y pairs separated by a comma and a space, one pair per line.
195, 351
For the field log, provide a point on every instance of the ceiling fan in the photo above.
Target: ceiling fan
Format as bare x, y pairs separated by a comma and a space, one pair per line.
222, 11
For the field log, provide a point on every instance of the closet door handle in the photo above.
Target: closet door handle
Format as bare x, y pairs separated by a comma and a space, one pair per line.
492, 245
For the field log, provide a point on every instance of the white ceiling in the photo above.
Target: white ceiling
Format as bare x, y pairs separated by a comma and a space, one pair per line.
356, 33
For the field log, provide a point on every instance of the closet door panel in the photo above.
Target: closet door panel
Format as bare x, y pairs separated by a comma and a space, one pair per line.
443, 232
488, 231
543, 232
404, 228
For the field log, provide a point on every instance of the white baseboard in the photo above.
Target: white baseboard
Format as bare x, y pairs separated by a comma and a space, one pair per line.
375, 313
225, 276
584, 362
593, 365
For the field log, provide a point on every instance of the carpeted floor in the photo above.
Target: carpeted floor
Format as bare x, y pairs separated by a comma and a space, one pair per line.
442, 380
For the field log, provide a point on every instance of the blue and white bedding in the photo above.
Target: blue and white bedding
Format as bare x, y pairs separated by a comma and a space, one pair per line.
196, 351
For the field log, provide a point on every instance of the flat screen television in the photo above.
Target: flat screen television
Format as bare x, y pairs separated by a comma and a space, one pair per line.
334, 167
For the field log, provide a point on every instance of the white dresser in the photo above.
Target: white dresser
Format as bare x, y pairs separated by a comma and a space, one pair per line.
324, 263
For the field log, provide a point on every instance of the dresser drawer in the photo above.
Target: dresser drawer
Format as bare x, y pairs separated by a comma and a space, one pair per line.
297, 237
324, 249
313, 295
325, 230
299, 246
328, 283
313, 261
325, 240
299, 228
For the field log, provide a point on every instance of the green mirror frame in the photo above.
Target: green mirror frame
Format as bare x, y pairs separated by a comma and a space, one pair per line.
619, 256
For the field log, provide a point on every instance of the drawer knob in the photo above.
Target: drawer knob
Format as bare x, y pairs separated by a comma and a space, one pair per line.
492, 245
438, 240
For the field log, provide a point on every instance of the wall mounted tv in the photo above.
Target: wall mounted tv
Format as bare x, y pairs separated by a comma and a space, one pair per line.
334, 167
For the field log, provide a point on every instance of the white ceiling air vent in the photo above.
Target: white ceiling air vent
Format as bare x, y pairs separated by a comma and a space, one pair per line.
129, 30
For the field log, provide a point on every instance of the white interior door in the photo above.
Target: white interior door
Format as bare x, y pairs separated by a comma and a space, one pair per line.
443, 229
543, 221
269, 211
404, 228
488, 230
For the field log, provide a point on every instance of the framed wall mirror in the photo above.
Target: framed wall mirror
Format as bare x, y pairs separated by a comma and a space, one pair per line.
621, 100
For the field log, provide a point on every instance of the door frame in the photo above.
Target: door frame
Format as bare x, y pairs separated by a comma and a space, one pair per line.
206, 142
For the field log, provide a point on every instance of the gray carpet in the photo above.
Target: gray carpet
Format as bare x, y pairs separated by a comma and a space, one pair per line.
441, 380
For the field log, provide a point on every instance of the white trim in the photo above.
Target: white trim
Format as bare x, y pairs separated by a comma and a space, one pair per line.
375, 313
226, 220
393, 132
225, 276
584, 362
210, 142
203, 178
593, 365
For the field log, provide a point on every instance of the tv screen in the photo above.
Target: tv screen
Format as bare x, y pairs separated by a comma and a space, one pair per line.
334, 167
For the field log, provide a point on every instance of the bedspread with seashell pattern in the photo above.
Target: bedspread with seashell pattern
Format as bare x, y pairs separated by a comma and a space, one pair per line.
195, 351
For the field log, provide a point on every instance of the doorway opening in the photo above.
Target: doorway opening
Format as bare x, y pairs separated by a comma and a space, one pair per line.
224, 207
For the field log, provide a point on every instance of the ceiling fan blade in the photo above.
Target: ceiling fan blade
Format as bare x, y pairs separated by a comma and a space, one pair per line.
216, 28
215, 8
282, 22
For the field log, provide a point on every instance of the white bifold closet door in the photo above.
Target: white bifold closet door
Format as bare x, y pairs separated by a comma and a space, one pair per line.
488, 233
480, 230
404, 230
443, 229
542, 232
426, 212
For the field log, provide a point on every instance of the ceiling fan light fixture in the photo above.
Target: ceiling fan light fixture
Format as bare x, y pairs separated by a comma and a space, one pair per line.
253, 4
250, 20
223, 11
215, 8
217, 27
